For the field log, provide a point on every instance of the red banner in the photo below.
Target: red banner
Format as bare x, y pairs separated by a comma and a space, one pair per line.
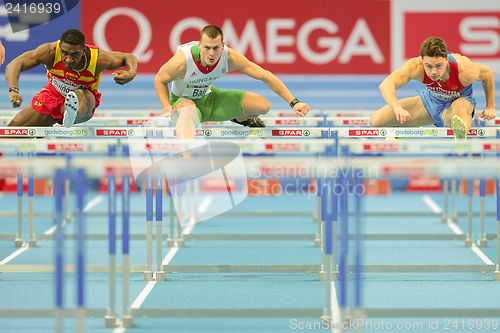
471, 28
321, 37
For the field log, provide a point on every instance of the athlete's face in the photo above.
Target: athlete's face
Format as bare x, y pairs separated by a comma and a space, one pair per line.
71, 54
210, 50
435, 67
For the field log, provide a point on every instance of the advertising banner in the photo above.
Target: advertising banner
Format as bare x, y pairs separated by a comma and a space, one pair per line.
322, 37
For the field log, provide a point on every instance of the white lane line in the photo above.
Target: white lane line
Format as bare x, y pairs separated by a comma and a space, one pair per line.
481, 255
457, 231
137, 303
48, 232
432, 204
14, 254
91, 204
336, 318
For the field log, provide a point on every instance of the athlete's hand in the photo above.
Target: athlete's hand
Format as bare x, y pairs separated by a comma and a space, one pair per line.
301, 109
402, 116
168, 110
122, 76
15, 99
2, 54
488, 114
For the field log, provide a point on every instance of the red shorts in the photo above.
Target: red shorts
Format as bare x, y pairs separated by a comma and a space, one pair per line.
49, 101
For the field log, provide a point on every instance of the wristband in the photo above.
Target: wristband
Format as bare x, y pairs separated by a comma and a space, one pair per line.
14, 89
293, 102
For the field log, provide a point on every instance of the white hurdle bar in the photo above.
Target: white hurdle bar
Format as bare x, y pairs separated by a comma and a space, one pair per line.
245, 132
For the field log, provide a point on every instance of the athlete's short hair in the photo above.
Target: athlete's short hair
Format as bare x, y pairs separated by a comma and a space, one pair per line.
434, 47
212, 32
73, 37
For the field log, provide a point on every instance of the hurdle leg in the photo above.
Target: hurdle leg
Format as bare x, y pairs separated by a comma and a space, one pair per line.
171, 212
59, 249
18, 242
181, 216
497, 270
31, 211
186, 216
454, 190
160, 274
80, 183
179, 209
482, 241
148, 272
110, 317
317, 219
67, 202
127, 315
445, 200
468, 239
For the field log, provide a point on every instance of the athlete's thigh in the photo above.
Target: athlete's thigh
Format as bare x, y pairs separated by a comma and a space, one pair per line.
29, 117
223, 105
417, 111
461, 107
385, 116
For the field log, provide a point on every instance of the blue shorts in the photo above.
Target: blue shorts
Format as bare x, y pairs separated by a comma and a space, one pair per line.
436, 107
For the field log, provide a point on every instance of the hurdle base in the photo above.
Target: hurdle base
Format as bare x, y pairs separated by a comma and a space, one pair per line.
109, 321
18, 243
160, 276
170, 242
496, 274
180, 242
483, 242
148, 276
468, 243
32, 243
324, 275
317, 241
127, 321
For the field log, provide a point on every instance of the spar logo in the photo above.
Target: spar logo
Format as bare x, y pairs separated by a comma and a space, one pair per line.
355, 122
208, 132
367, 132
472, 132
287, 122
14, 132
139, 121
114, 132
290, 132
65, 147
284, 147
32, 132
384, 147
491, 147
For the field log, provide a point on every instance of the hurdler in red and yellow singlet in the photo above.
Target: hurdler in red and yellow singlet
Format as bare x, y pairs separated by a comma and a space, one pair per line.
62, 80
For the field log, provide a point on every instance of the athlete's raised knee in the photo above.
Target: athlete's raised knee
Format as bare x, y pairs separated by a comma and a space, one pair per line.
375, 120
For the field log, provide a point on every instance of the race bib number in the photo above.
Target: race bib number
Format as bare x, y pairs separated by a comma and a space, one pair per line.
64, 86
195, 93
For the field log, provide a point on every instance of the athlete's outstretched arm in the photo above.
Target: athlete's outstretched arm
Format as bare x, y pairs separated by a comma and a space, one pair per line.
2, 53
488, 81
114, 60
173, 69
43, 54
393, 82
238, 61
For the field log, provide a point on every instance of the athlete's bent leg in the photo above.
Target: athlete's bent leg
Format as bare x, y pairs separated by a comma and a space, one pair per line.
185, 125
459, 117
78, 107
29, 117
253, 105
419, 116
